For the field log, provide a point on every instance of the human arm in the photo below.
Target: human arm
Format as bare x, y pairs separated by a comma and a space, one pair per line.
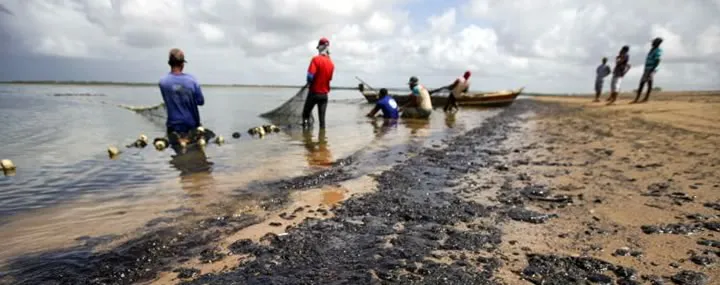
373, 111
626, 60
413, 98
627, 68
199, 97
455, 83
657, 54
311, 71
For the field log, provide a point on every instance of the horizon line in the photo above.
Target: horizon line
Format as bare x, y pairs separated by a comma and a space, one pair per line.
138, 83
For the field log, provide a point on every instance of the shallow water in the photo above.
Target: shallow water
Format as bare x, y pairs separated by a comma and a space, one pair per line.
65, 186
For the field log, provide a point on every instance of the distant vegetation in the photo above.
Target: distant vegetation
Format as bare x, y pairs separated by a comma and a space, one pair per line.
52, 82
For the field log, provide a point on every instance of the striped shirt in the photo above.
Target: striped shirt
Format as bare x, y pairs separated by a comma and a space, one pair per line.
653, 59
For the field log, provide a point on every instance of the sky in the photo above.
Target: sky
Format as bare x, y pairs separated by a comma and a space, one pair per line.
545, 46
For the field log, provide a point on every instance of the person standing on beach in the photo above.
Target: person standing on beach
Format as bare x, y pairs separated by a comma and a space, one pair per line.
602, 71
319, 74
622, 66
652, 61
461, 85
419, 105
386, 104
182, 95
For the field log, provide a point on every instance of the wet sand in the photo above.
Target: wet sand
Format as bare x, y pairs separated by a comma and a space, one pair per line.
554, 190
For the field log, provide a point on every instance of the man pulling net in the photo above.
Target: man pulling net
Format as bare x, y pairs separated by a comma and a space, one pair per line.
182, 95
298, 110
290, 112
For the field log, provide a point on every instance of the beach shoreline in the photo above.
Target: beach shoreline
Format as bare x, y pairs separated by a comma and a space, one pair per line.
554, 189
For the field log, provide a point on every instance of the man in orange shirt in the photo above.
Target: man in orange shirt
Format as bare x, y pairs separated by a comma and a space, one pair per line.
319, 75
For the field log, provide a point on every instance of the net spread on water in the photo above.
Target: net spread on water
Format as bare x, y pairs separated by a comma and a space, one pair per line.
156, 113
290, 112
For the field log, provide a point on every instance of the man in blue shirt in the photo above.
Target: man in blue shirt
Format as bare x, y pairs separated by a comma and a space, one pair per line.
652, 61
387, 104
182, 96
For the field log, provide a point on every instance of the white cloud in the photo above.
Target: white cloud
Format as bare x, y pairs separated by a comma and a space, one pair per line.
544, 45
380, 23
444, 23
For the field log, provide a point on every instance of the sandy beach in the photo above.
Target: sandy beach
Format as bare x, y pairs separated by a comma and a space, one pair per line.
643, 180
554, 190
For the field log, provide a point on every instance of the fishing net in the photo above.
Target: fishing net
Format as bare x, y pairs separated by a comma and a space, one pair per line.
156, 113
290, 112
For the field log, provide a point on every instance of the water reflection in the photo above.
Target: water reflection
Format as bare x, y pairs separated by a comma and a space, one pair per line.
418, 127
196, 178
381, 130
191, 161
450, 119
318, 153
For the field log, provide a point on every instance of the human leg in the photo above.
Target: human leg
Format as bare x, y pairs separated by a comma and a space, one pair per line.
449, 102
453, 103
614, 89
309, 105
649, 79
409, 112
598, 90
322, 107
643, 79
424, 114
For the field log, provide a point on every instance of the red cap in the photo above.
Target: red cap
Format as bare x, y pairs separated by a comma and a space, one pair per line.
467, 74
323, 41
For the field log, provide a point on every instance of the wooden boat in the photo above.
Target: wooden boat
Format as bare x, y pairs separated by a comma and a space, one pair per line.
478, 99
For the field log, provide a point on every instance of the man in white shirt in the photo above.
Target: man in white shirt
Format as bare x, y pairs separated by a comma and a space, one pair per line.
419, 105
461, 85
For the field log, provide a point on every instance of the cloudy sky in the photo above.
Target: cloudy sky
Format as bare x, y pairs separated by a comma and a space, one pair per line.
548, 45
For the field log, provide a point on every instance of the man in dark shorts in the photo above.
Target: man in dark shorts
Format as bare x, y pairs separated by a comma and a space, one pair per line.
319, 75
652, 61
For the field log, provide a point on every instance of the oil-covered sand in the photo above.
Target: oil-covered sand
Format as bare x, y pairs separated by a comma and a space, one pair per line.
551, 191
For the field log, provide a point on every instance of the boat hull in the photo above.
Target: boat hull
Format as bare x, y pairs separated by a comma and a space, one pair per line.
476, 100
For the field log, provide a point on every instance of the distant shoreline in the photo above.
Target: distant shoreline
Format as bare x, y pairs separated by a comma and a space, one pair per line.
112, 83
94, 83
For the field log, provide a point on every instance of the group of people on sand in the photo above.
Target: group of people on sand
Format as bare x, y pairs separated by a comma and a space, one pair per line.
622, 66
182, 95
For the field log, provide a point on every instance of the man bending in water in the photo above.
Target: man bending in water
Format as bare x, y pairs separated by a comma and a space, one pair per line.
419, 105
182, 95
387, 105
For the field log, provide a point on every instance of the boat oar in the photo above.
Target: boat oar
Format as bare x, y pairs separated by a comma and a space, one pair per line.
365, 83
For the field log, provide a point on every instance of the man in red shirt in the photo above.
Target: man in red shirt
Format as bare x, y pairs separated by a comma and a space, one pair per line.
319, 75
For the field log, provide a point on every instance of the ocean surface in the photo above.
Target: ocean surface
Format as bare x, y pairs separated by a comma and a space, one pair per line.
66, 187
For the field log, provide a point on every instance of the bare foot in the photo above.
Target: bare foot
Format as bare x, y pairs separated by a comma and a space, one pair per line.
633, 102
596, 100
